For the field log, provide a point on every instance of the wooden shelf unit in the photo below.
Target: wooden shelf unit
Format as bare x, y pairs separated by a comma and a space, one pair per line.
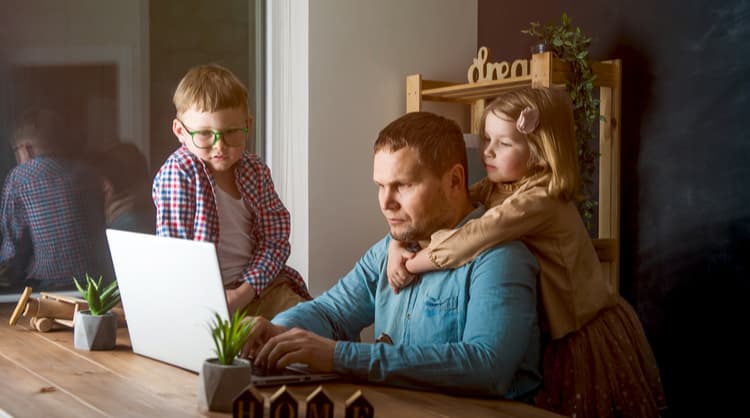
546, 70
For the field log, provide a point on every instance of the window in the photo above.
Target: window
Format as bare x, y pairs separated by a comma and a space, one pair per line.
98, 78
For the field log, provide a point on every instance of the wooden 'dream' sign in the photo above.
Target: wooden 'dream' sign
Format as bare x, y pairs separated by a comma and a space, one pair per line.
480, 70
358, 407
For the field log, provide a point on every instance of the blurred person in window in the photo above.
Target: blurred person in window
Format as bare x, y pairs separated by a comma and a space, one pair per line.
51, 210
127, 188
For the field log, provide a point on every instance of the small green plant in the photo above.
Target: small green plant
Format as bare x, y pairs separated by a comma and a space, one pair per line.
230, 335
100, 300
572, 46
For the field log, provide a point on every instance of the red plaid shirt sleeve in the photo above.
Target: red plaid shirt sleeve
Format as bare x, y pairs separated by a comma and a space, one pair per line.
175, 196
272, 226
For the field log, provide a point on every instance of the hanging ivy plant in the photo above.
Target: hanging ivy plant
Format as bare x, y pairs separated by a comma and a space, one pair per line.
570, 45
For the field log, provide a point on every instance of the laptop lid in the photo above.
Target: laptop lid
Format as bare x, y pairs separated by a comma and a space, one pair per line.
170, 289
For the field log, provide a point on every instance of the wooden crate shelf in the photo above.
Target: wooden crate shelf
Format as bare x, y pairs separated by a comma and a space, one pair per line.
546, 70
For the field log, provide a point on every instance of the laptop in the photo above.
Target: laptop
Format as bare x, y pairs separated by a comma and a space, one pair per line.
170, 290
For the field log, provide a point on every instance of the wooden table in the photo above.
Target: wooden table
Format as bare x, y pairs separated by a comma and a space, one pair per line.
41, 374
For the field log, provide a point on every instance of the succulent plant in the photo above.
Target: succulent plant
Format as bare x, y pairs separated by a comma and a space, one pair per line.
230, 335
100, 299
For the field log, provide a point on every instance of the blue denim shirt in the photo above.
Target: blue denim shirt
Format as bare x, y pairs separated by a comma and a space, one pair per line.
472, 330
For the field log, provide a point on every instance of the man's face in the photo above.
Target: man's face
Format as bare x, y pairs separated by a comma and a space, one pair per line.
220, 157
24, 150
413, 200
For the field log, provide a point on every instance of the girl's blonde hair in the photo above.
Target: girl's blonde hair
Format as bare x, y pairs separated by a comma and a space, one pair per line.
209, 88
553, 145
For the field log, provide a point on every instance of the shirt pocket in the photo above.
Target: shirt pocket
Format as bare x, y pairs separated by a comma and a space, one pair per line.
439, 320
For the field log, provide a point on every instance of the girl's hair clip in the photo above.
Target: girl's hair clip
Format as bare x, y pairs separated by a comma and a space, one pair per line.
527, 121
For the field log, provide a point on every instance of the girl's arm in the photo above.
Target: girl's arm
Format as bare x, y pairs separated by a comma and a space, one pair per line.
420, 263
517, 216
398, 275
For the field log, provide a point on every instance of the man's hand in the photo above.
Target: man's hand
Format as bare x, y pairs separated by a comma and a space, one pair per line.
398, 275
297, 346
262, 331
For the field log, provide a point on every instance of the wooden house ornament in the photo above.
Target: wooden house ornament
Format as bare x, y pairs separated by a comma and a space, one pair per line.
319, 404
357, 406
248, 404
283, 404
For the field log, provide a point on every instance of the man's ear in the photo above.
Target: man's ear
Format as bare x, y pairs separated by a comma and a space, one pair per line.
178, 130
457, 177
250, 121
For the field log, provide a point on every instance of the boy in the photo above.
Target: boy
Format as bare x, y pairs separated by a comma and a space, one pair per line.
210, 189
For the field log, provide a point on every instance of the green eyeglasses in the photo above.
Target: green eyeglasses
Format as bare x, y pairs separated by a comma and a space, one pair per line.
207, 138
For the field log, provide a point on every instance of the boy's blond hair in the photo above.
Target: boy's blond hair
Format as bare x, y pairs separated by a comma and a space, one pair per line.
209, 88
553, 145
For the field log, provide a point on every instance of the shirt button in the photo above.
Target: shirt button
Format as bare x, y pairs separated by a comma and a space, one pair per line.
408, 316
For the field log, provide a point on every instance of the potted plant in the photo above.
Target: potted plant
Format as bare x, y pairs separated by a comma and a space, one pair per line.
96, 328
571, 45
224, 377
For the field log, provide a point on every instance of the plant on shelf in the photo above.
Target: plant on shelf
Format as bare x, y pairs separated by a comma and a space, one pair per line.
226, 376
570, 45
96, 328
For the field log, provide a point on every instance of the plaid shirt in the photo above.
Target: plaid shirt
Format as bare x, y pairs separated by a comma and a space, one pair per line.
183, 193
52, 223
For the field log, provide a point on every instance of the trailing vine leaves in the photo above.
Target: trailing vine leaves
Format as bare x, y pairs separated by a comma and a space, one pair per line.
570, 45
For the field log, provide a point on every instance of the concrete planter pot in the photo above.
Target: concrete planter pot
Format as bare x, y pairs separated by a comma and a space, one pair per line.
94, 332
218, 384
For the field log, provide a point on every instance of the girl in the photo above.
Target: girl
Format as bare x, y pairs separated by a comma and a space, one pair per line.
598, 362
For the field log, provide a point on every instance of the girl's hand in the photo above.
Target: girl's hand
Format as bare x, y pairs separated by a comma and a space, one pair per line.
398, 275
420, 263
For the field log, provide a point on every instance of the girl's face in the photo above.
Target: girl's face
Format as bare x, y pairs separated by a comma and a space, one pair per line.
505, 151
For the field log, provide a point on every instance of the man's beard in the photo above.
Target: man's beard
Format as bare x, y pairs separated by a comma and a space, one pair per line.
410, 235
441, 219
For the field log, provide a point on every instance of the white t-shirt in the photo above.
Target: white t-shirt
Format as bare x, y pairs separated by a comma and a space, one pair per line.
236, 245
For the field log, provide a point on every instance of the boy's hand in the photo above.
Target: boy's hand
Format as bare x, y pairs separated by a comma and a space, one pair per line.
398, 275
239, 296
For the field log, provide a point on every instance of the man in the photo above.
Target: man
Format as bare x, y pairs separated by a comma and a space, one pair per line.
472, 330
51, 213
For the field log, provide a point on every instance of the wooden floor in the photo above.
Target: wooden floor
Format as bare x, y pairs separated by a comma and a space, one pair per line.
43, 375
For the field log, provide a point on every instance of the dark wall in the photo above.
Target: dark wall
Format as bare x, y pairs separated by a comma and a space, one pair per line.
685, 160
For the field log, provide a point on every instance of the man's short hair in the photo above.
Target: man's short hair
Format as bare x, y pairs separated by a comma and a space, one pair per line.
40, 126
209, 88
438, 141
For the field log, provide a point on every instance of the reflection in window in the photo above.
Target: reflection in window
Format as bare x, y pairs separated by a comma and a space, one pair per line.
85, 120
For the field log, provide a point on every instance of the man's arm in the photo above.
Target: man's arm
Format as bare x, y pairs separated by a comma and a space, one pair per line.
344, 310
500, 330
272, 231
15, 242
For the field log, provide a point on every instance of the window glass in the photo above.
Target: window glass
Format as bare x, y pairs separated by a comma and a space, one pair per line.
85, 120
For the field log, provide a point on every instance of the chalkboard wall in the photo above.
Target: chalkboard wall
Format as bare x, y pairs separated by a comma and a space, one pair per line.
685, 164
